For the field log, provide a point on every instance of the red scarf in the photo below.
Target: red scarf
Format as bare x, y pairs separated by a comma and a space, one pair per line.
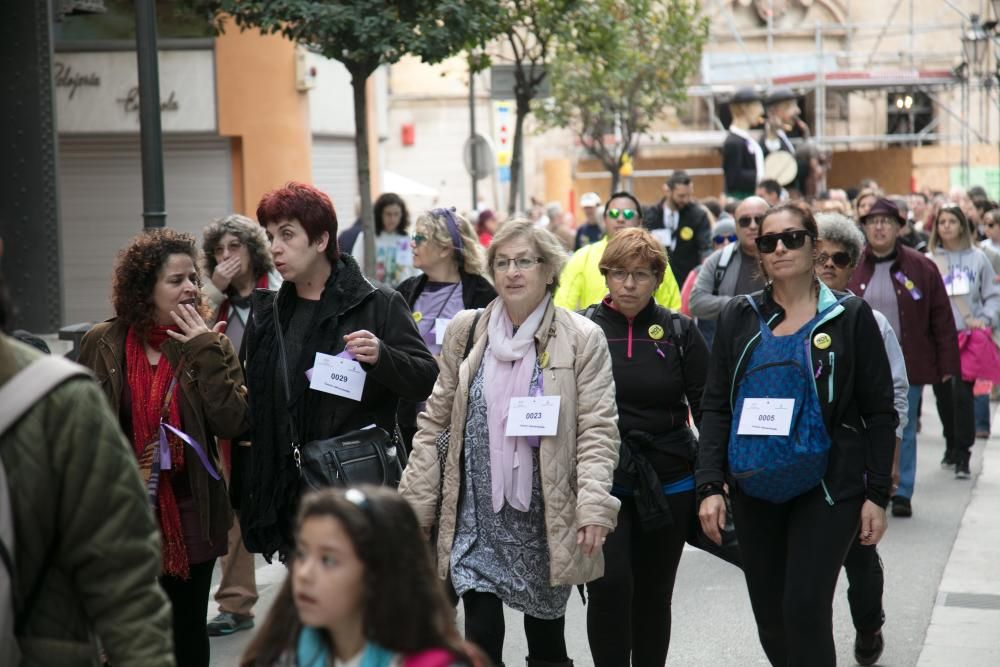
226, 307
149, 389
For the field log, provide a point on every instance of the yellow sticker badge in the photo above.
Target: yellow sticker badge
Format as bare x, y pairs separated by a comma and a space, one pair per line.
417, 316
686, 233
656, 331
544, 359
822, 341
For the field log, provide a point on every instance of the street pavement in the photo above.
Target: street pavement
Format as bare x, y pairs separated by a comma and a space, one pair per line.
930, 621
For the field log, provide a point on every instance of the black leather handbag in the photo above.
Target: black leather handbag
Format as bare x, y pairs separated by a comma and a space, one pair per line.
363, 456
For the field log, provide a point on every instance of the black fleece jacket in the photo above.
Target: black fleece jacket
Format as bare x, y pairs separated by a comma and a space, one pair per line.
857, 401
405, 369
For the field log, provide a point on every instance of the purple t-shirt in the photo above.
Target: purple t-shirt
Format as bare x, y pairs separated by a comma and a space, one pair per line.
438, 301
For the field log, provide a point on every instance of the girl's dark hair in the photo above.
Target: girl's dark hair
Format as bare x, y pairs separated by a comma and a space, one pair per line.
388, 199
138, 269
406, 609
963, 225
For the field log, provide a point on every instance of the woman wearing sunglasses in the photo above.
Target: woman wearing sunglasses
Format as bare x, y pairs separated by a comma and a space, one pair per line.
446, 250
798, 423
659, 360
840, 245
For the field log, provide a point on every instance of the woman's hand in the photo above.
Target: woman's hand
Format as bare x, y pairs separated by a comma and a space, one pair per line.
364, 346
224, 273
712, 514
976, 323
872, 523
191, 324
591, 538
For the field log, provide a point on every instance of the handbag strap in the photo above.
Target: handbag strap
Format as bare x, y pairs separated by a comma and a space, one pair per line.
283, 361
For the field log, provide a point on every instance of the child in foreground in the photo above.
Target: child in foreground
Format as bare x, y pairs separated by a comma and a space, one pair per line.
361, 591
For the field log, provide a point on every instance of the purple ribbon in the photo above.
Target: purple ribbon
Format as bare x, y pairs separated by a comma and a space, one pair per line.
537, 391
914, 292
165, 462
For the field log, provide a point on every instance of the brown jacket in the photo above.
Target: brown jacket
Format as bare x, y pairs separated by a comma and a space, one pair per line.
577, 465
214, 404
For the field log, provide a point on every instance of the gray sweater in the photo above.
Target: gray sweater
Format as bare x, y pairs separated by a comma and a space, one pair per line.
983, 298
705, 305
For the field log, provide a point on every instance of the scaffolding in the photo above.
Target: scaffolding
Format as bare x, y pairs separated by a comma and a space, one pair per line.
857, 68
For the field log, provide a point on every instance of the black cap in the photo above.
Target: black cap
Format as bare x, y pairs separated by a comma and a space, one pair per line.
780, 95
744, 95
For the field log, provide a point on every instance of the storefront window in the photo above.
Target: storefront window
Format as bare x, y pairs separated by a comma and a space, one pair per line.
118, 23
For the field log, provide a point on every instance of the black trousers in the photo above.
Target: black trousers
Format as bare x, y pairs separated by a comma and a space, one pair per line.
484, 627
792, 555
189, 601
628, 614
866, 581
955, 407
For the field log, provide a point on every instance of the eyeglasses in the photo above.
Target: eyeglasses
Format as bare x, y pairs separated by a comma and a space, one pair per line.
621, 275
232, 246
522, 263
747, 220
719, 238
417, 238
792, 240
624, 213
879, 220
840, 259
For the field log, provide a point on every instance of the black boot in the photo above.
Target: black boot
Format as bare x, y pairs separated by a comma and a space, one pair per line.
962, 465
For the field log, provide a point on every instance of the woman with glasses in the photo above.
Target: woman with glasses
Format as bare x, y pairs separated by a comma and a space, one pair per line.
515, 452
798, 423
446, 250
971, 286
581, 282
659, 361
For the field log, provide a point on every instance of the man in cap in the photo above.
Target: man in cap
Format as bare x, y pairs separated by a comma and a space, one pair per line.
742, 157
590, 230
731, 270
906, 287
681, 225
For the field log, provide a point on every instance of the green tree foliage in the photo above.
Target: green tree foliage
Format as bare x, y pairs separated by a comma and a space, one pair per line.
617, 66
363, 35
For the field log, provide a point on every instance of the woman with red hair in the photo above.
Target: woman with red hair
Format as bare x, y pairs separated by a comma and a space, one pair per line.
325, 308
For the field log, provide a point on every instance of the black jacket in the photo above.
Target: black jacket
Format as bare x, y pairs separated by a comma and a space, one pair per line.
738, 166
687, 253
477, 292
405, 369
859, 415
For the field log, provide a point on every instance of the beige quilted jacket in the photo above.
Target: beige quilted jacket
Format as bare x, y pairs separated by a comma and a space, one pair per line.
577, 465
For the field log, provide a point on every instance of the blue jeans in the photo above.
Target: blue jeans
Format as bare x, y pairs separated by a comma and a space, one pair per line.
981, 404
908, 447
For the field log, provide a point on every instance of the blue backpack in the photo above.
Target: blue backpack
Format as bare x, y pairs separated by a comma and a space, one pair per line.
778, 468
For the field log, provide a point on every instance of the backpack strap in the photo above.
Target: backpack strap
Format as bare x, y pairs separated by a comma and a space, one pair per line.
589, 312
31, 384
722, 266
471, 341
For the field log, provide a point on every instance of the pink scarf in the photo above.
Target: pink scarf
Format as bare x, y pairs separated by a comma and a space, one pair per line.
510, 363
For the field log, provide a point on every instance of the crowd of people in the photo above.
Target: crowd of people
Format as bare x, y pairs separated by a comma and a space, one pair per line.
558, 408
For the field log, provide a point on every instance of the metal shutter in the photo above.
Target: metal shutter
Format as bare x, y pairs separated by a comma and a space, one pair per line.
335, 172
100, 201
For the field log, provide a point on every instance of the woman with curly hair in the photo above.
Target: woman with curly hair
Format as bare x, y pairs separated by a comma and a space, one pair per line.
393, 258
237, 260
176, 386
360, 590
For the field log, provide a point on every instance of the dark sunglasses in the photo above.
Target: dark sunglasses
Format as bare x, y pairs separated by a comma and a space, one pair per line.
791, 240
747, 220
624, 213
719, 238
840, 259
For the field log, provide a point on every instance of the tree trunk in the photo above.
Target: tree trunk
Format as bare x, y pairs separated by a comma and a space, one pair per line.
614, 180
522, 108
358, 80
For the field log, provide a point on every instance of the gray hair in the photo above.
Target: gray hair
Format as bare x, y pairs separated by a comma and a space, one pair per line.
548, 247
838, 228
248, 232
